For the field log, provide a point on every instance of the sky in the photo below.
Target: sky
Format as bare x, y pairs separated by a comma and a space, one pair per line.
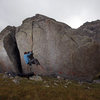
72, 12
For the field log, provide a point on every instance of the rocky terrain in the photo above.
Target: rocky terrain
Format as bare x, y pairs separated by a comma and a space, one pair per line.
61, 50
46, 88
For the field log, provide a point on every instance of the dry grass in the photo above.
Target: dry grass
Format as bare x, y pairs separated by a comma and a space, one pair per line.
48, 89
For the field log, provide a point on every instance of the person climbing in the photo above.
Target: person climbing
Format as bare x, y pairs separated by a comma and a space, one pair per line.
26, 58
32, 60
29, 59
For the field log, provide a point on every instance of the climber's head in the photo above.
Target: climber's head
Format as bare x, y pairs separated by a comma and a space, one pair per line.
25, 52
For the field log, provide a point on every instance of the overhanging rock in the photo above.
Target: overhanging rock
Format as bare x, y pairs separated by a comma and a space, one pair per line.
11, 48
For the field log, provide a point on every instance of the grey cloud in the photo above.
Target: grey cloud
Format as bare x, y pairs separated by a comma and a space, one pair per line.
71, 12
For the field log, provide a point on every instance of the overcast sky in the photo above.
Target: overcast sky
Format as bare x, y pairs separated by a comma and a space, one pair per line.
71, 12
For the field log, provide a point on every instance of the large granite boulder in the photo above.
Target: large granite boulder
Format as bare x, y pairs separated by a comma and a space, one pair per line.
71, 53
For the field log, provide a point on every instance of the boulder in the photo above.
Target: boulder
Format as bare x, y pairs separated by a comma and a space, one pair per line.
61, 50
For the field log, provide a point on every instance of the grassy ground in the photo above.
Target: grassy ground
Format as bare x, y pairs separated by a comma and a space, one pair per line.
48, 89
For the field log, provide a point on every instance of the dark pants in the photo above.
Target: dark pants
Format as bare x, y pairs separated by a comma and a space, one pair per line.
34, 61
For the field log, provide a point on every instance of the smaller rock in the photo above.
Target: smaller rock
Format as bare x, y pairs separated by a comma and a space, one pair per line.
96, 81
57, 81
55, 84
69, 82
11, 77
47, 86
44, 82
6, 75
36, 78
87, 88
66, 80
59, 77
16, 81
80, 82
65, 86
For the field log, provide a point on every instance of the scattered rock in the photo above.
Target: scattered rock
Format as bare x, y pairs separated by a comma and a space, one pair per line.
47, 86
57, 81
65, 86
36, 78
69, 82
87, 88
66, 80
11, 77
16, 81
80, 82
59, 77
7, 75
44, 82
96, 81
55, 84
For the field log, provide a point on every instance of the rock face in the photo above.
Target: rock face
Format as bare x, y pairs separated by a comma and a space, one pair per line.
72, 53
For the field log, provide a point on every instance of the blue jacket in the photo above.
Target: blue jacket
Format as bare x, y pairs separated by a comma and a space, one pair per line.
26, 58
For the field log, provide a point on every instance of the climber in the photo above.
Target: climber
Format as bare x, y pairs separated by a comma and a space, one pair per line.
29, 59
26, 58
32, 60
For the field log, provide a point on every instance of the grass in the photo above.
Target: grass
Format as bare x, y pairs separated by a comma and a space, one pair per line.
48, 89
